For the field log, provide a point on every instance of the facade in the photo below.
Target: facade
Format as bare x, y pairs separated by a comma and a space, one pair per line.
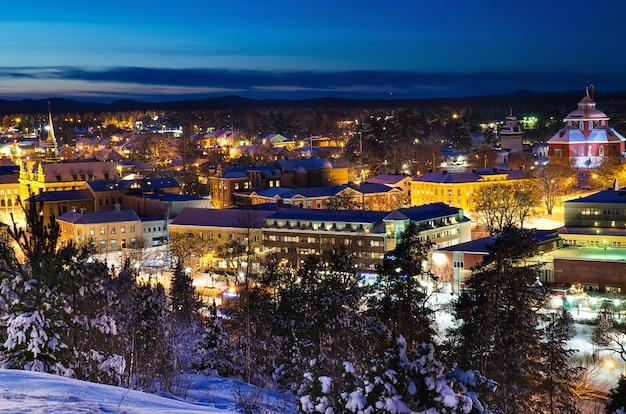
215, 227
108, 193
511, 134
154, 231
598, 220
40, 176
298, 173
457, 189
296, 233
367, 196
9, 193
106, 230
56, 203
586, 137
453, 264
401, 181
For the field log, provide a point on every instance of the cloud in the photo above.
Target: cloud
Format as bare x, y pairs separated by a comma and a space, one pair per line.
367, 83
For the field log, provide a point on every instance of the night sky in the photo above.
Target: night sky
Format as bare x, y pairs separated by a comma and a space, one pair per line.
172, 50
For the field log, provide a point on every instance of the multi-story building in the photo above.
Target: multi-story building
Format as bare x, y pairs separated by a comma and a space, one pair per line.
298, 173
56, 203
40, 176
597, 220
296, 233
367, 196
453, 264
107, 230
457, 189
401, 181
211, 228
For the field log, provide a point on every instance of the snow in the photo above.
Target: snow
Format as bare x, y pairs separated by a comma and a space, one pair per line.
35, 392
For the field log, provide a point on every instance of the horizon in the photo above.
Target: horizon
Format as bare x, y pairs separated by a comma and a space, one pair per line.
282, 50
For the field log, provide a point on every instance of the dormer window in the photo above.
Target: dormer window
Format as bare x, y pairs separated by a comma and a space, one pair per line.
74, 176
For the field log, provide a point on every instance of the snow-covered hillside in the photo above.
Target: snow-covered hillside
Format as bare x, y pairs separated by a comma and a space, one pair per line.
31, 392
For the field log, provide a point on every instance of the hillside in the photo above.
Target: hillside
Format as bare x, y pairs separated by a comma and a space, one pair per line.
33, 392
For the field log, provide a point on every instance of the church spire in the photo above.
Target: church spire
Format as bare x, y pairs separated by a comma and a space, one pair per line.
51, 142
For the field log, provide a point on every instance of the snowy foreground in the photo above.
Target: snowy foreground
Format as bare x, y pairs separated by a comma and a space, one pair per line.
31, 392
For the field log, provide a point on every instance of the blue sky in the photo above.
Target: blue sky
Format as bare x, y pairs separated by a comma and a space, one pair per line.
169, 50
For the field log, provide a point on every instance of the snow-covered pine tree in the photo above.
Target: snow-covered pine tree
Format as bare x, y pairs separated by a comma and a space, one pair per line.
559, 374
315, 391
35, 322
499, 334
51, 296
93, 324
151, 323
411, 381
214, 352
401, 300
616, 404
144, 327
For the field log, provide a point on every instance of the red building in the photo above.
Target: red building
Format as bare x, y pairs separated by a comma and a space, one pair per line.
586, 137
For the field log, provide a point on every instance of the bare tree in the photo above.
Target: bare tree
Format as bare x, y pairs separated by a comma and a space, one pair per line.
504, 205
156, 150
554, 181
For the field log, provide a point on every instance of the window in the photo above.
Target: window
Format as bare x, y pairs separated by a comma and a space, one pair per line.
112, 229
92, 231
103, 244
102, 230
113, 244
613, 289
123, 229
132, 229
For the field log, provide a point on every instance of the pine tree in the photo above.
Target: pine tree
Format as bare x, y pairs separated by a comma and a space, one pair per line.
184, 301
499, 335
151, 321
214, 352
616, 404
411, 381
401, 299
94, 324
319, 316
559, 376
52, 297
144, 331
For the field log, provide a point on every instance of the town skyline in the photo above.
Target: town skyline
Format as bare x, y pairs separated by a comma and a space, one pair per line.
286, 51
